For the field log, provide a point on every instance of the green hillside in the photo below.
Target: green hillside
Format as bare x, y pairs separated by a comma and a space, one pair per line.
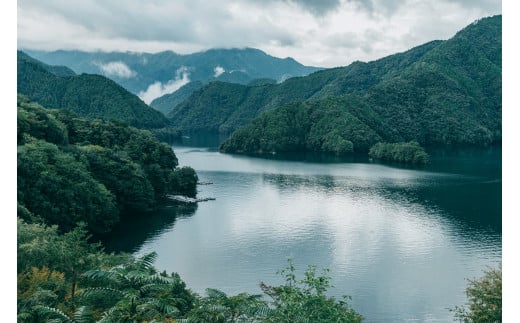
72, 169
168, 102
437, 93
54, 69
92, 96
357, 77
450, 94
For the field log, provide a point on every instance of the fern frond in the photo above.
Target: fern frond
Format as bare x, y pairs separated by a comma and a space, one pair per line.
136, 278
215, 293
114, 314
47, 311
83, 315
24, 317
257, 310
162, 306
99, 275
104, 292
146, 261
155, 288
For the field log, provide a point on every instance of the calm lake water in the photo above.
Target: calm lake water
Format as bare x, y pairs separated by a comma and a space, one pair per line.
400, 240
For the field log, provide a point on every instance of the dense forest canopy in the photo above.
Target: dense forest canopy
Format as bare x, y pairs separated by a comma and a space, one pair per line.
446, 93
72, 169
168, 102
89, 95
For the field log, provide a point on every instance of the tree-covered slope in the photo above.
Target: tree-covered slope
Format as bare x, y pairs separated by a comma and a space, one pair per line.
450, 95
92, 96
357, 77
168, 102
72, 169
54, 69
218, 106
453, 95
458, 78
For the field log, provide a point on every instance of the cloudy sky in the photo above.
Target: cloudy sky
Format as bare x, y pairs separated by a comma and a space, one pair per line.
322, 33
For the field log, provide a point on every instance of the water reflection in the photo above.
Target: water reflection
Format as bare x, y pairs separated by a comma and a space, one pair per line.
401, 241
135, 229
477, 203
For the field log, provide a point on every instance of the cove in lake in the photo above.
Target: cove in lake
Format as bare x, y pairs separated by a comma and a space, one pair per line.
400, 240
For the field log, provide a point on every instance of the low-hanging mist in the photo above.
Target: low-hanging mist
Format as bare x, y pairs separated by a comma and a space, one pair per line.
158, 89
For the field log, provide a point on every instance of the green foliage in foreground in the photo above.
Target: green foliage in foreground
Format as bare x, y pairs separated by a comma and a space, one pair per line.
50, 266
305, 300
403, 152
64, 278
484, 299
61, 277
71, 169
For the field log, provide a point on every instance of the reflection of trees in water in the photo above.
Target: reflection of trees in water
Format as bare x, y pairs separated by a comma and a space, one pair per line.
476, 202
200, 139
134, 229
312, 157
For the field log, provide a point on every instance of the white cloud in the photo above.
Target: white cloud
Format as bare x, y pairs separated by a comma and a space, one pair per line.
218, 70
321, 33
158, 89
117, 69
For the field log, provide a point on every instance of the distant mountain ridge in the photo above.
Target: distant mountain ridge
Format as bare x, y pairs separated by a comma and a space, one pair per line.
54, 69
439, 93
238, 104
89, 95
138, 71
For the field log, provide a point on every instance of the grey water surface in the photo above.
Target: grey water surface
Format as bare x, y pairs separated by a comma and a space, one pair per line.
400, 240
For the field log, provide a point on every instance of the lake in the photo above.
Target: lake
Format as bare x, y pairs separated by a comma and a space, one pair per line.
400, 240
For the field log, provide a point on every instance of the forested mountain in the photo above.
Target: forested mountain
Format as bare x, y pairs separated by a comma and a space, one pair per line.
92, 96
72, 169
168, 102
54, 69
443, 92
192, 115
138, 71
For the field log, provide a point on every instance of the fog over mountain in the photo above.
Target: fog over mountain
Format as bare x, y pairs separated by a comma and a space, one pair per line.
153, 75
326, 33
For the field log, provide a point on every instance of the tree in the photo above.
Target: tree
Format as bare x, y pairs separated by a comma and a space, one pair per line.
49, 267
305, 300
333, 142
41, 246
484, 299
404, 152
39, 287
218, 307
71, 169
123, 177
184, 181
54, 185
133, 292
37, 122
